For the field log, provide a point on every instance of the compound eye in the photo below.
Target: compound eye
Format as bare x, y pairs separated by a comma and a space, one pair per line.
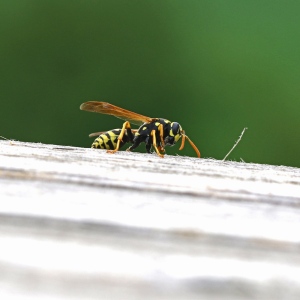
175, 128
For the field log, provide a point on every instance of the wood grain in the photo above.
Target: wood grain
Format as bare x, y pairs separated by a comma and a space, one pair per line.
79, 223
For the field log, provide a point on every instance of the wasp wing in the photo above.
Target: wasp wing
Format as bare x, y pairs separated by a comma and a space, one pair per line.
110, 109
101, 132
96, 133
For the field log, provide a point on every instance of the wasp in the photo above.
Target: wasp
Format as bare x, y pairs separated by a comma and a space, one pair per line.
154, 132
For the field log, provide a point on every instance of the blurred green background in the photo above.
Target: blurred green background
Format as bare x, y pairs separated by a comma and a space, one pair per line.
213, 66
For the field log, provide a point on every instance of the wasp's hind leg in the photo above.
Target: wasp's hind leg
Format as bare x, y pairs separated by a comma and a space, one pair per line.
126, 126
136, 142
130, 135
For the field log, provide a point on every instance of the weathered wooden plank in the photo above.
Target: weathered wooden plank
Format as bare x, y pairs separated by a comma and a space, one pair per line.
80, 223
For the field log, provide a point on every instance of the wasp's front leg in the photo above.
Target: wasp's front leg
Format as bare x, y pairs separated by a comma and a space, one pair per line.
161, 149
153, 134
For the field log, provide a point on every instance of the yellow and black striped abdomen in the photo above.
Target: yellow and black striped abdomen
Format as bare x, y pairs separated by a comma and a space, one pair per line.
107, 140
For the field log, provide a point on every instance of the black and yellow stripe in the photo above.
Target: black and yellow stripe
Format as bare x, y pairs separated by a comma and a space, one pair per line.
108, 140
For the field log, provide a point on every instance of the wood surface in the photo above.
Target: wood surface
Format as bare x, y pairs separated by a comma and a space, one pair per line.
79, 223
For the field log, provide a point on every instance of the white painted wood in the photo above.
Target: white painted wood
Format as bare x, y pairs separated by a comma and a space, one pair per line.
79, 223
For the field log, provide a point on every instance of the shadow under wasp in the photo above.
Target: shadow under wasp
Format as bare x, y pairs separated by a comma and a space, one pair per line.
156, 132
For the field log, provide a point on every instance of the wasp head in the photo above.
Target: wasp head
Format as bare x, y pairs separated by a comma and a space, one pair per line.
174, 134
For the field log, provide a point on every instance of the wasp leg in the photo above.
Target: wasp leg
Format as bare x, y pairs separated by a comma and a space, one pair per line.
154, 143
136, 143
161, 135
126, 125
130, 134
148, 148
161, 149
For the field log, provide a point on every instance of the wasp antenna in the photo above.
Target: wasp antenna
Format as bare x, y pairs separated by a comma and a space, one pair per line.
182, 141
194, 146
